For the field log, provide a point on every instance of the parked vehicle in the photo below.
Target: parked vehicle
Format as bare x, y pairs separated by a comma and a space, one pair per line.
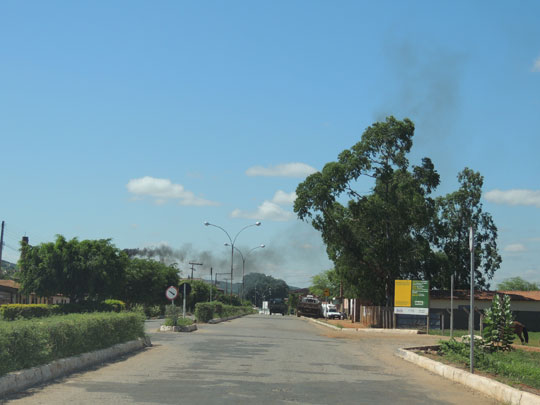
330, 311
309, 306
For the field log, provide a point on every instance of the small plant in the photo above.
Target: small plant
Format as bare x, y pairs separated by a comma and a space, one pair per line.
179, 322
172, 313
498, 333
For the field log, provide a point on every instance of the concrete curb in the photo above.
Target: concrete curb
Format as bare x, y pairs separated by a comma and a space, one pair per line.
494, 389
367, 330
188, 328
20, 380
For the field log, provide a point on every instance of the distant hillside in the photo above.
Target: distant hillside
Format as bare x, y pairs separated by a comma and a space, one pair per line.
8, 266
8, 270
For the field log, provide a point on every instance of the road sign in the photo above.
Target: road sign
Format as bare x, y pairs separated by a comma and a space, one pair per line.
326, 292
171, 293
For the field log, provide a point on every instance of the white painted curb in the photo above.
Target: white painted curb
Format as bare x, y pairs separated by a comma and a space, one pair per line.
20, 380
494, 389
188, 328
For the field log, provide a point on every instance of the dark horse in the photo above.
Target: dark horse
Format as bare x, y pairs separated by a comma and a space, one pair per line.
521, 331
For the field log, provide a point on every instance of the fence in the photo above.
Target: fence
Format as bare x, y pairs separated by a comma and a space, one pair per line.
376, 317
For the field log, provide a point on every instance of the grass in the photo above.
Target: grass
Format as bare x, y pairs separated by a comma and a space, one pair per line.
511, 367
534, 337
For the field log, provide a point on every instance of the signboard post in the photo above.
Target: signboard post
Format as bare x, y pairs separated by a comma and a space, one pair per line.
412, 298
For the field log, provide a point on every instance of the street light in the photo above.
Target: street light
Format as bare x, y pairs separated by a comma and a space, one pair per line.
244, 262
206, 223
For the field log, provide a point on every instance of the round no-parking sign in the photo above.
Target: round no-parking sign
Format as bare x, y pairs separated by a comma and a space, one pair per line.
171, 293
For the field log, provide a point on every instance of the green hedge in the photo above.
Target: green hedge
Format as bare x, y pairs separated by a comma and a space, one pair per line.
29, 343
10, 312
205, 311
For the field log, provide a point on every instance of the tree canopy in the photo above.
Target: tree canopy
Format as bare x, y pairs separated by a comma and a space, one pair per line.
328, 279
518, 284
77, 269
93, 270
260, 287
397, 229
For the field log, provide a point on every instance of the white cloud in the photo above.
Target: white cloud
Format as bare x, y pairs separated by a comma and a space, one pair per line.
283, 170
270, 210
163, 190
266, 211
283, 198
515, 248
514, 197
536, 66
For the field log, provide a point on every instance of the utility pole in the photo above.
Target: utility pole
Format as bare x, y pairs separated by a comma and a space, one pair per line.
192, 268
451, 306
1, 247
211, 286
471, 314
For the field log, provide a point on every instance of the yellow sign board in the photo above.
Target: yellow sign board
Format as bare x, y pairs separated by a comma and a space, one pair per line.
403, 289
326, 292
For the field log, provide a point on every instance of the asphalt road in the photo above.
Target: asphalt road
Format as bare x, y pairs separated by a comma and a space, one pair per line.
259, 359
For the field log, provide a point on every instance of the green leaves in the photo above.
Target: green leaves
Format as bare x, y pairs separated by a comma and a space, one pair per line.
79, 270
518, 284
379, 235
498, 332
396, 229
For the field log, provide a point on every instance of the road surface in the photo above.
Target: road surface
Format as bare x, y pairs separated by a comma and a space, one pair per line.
259, 359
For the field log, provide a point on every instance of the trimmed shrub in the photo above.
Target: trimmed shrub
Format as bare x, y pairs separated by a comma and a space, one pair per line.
205, 311
115, 305
29, 343
10, 312
179, 322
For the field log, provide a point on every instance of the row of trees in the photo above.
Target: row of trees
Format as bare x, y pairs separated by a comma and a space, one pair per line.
398, 229
95, 270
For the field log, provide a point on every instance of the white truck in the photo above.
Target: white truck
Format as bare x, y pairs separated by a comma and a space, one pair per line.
330, 311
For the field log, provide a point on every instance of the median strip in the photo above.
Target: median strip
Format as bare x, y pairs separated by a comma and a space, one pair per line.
494, 389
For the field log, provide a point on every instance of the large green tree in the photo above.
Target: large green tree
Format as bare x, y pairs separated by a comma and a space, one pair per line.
378, 236
146, 281
259, 287
328, 279
91, 269
456, 213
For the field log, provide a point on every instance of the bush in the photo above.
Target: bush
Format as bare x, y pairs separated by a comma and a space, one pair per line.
10, 312
205, 311
29, 343
499, 333
179, 322
172, 313
115, 305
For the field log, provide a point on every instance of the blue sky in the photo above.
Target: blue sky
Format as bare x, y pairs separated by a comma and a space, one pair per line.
138, 121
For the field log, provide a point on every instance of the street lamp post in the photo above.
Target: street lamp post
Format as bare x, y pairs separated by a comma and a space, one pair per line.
244, 262
232, 243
